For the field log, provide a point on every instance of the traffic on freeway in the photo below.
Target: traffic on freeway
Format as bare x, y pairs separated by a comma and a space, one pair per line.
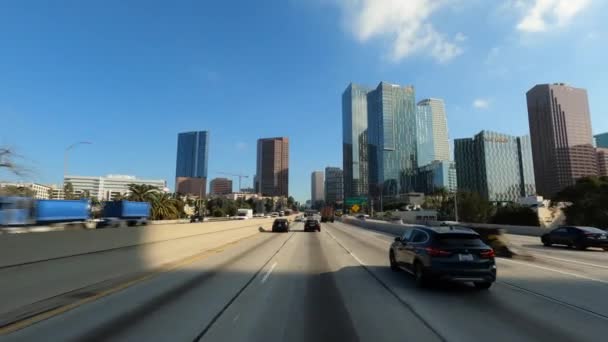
249, 284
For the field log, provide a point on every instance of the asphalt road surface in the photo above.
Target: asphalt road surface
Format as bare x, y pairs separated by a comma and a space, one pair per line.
336, 286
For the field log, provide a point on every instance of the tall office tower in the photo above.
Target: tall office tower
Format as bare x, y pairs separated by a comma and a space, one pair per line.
354, 141
334, 185
391, 140
432, 132
317, 186
191, 163
272, 171
560, 132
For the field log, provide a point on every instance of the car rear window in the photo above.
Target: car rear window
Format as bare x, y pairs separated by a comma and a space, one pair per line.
459, 240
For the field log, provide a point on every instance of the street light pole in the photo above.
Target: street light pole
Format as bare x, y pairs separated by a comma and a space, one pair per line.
65, 160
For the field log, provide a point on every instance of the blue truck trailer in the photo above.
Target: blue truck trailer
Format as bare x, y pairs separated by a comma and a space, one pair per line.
125, 213
25, 211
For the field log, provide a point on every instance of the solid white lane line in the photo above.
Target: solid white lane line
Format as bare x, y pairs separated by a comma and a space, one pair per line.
568, 260
269, 271
555, 270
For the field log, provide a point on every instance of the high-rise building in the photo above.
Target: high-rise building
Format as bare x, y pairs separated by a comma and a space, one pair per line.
601, 140
391, 113
495, 165
432, 131
602, 161
110, 186
220, 186
354, 141
334, 186
561, 138
316, 186
191, 164
272, 171
435, 175
39, 191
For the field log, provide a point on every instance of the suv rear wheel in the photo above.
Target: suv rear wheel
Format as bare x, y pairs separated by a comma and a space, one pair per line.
393, 262
419, 276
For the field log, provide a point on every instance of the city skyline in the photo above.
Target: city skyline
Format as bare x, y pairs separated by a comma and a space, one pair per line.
272, 168
130, 91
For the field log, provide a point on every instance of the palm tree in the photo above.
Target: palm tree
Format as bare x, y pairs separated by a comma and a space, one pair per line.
142, 192
164, 207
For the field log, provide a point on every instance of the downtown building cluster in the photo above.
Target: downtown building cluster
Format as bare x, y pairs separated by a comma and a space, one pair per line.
191, 171
394, 146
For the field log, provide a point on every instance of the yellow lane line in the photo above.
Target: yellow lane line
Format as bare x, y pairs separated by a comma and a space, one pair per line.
21, 324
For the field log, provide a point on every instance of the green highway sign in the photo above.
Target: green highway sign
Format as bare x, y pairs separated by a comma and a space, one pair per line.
349, 202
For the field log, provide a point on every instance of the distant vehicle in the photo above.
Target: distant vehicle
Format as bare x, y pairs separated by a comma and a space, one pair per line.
197, 218
339, 213
577, 237
299, 219
281, 213
280, 225
125, 213
444, 253
24, 211
288, 212
244, 214
362, 216
396, 220
274, 214
327, 214
310, 213
311, 225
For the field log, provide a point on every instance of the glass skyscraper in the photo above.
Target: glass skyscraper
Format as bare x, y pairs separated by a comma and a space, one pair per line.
191, 164
601, 140
435, 175
432, 131
495, 165
392, 140
354, 141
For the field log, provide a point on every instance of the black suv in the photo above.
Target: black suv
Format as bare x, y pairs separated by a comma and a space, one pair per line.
577, 237
280, 225
311, 225
444, 253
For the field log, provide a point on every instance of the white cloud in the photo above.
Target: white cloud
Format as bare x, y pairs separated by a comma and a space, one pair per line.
481, 103
405, 23
542, 15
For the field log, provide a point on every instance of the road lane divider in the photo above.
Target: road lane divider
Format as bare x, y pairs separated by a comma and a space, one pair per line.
388, 288
240, 291
556, 271
268, 272
37, 312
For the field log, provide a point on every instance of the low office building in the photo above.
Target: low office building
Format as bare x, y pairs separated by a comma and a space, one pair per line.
439, 174
39, 191
602, 161
108, 187
495, 165
220, 186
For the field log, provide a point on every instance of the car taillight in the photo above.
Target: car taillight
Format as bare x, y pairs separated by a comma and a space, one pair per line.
487, 253
437, 252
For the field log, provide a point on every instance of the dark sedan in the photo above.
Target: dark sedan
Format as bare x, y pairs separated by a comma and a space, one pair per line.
444, 253
577, 237
312, 225
280, 225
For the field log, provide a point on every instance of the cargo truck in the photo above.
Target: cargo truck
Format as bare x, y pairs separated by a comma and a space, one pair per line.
244, 214
25, 211
327, 214
125, 213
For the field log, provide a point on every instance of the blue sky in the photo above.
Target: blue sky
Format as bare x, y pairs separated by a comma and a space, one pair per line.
129, 75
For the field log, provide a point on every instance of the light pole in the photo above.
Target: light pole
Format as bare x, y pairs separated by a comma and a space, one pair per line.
65, 159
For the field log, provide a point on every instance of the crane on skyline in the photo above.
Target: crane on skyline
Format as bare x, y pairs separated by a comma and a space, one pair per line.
241, 176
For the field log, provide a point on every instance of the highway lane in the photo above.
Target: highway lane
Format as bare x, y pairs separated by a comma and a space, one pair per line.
331, 286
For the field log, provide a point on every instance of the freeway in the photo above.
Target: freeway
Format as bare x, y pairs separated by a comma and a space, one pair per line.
333, 286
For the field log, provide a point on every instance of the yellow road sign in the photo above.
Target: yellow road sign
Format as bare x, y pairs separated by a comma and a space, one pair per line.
355, 208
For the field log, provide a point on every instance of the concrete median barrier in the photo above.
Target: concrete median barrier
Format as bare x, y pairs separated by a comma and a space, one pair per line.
18, 249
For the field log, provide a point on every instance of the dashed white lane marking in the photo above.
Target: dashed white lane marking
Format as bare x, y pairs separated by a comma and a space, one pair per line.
269, 271
236, 318
349, 251
554, 270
